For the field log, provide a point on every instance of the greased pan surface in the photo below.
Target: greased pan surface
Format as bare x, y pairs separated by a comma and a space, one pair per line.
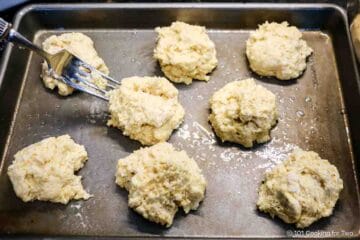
319, 112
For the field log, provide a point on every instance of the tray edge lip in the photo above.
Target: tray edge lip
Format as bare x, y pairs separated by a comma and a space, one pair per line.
225, 5
229, 5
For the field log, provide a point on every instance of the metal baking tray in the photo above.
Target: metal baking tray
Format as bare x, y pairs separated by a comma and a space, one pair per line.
319, 111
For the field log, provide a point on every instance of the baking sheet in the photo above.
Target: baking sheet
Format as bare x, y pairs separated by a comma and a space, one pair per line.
313, 115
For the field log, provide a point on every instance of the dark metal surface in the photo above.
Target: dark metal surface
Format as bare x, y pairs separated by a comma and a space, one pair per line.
319, 111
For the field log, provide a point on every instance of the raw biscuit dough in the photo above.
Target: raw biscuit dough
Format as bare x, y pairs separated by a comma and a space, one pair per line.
243, 112
301, 190
161, 179
45, 171
146, 109
185, 52
81, 46
275, 49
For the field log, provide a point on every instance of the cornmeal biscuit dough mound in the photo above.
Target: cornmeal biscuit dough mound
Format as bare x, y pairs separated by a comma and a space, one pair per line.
81, 46
243, 112
146, 109
275, 49
45, 171
301, 190
161, 179
185, 52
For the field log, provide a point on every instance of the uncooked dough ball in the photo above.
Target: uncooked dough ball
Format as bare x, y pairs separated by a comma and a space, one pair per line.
275, 49
185, 52
146, 109
161, 179
243, 112
301, 190
45, 171
81, 46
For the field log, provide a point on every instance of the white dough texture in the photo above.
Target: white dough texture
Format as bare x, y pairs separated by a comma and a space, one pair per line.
45, 171
243, 112
161, 179
146, 109
276, 49
185, 52
301, 190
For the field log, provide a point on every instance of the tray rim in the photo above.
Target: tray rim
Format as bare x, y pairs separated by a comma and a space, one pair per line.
233, 6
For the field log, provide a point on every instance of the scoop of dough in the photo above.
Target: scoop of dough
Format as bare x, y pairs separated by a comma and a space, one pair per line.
355, 35
185, 52
243, 112
81, 46
275, 49
159, 180
45, 171
301, 190
146, 109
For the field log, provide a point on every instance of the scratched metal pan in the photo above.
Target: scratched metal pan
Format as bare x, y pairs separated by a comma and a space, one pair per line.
319, 111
